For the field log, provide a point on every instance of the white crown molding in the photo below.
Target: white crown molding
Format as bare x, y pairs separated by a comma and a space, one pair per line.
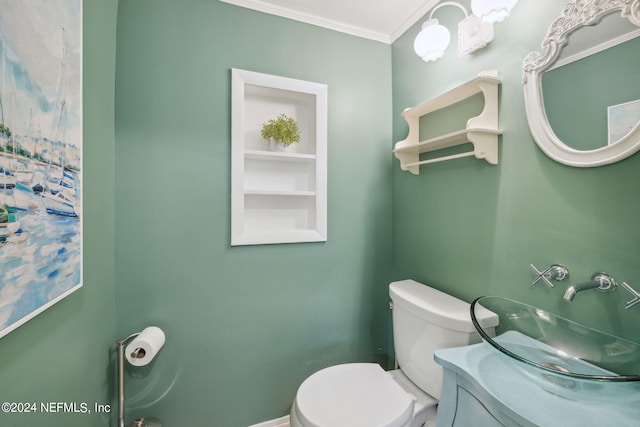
412, 19
284, 12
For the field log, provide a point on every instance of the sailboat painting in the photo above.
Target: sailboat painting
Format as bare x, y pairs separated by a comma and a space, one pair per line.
40, 156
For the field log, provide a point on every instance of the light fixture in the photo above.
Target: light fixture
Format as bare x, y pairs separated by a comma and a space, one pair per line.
432, 41
492, 11
142, 348
474, 31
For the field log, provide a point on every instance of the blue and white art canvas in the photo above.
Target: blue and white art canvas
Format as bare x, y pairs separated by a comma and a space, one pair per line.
40, 156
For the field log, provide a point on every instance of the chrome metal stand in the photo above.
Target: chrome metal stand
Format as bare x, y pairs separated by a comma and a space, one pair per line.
121, 344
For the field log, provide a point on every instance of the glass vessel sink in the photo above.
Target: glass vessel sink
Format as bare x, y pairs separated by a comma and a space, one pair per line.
555, 344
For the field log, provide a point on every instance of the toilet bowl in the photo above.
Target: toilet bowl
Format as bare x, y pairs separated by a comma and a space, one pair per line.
364, 394
360, 395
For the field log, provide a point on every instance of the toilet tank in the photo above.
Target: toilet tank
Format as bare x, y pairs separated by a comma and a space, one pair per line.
424, 320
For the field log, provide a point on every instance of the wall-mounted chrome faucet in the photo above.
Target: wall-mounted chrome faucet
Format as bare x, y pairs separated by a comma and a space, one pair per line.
600, 281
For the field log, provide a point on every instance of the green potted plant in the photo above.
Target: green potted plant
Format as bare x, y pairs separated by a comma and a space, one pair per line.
281, 132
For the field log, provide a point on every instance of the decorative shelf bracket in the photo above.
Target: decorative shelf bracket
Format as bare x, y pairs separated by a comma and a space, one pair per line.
481, 131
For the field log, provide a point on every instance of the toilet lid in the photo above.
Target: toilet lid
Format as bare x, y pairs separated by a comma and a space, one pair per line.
353, 395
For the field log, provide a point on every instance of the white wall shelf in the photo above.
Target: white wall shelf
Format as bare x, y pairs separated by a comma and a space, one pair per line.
249, 192
481, 131
274, 155
277, 196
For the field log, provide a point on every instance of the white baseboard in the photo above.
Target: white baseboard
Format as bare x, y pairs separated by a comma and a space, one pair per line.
280, 422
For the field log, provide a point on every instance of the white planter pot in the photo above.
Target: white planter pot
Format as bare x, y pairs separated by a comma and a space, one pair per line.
277, 146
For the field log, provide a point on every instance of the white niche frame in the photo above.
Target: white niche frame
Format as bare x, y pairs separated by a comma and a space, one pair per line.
277, 196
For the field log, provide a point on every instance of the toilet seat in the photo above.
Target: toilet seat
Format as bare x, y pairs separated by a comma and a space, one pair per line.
352, 395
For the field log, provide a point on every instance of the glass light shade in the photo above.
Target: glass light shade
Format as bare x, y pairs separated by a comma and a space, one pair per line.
492, 10
432, 41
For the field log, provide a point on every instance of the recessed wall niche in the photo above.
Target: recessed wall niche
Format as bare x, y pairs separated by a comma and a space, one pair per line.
277, 196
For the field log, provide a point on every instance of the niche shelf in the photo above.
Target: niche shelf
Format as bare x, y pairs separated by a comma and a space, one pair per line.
481, 131
277, 196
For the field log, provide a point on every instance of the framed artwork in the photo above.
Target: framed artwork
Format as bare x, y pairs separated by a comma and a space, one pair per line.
40, 156
622, 118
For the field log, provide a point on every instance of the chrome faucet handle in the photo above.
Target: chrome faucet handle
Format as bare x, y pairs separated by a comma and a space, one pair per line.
553, 272
636, 296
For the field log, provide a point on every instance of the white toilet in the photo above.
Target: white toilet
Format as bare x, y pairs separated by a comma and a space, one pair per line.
364, 395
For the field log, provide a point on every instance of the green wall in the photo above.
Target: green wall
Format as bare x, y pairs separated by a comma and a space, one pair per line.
66, 354
472, 229
244, 325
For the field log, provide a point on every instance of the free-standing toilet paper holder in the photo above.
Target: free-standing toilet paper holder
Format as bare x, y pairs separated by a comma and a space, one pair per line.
152, 336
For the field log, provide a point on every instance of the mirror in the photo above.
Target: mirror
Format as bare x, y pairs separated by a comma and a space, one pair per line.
582, 111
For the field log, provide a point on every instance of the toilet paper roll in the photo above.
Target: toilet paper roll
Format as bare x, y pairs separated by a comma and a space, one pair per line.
143, 348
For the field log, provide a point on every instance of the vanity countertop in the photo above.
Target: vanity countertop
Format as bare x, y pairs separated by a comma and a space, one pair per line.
533, 397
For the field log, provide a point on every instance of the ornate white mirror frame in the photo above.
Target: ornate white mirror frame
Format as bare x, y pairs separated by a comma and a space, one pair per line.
576, 14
